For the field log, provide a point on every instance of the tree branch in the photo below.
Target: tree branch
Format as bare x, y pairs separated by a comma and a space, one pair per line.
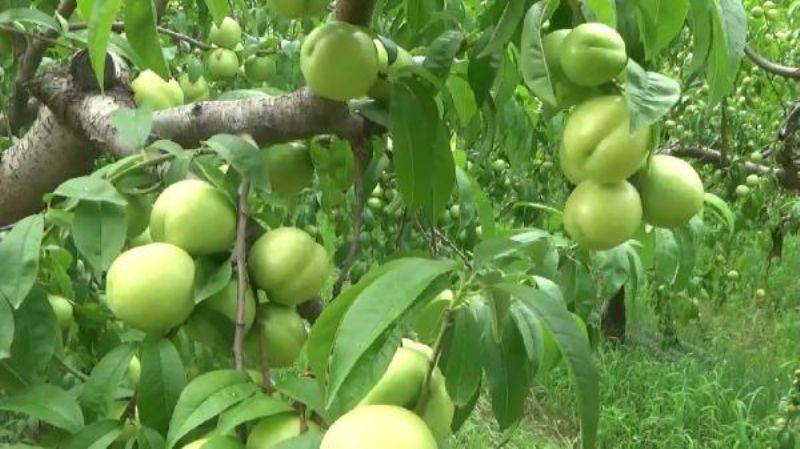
240, 253
771, 67
28, 66
357, 12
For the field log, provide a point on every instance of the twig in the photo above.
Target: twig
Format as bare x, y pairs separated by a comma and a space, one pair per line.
771, 67
120, 27
447, 321
49, 40
263, 356
357, 219
401, 230
70, 369
241, 271
723, 132
463, 255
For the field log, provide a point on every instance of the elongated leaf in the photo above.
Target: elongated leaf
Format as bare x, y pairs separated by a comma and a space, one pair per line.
504, 30
244, 157
140, 27
218, 9
649, 95
500, 247
665, 258
99, 390
604, 11
19, 259
204, 398
304, 390
532, 61
6, 329
422, 157
472, 195
98, 435
442, 51
35, 334
160, 384
685, 237
99, 232
148, 438
99, 15
720, 30
211, 276
721, 209
576, 350
258, 406
377, 308
134, 125
458, 365
90, 188
48, 403
28, 15
660, 21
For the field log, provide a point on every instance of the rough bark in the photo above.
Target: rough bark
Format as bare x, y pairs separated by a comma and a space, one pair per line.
772, 67
614, 319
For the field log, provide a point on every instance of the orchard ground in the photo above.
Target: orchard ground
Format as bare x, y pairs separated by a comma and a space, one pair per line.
717, 389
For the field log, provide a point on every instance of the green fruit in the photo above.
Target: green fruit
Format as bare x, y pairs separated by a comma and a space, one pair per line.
377, 192
222, 64
602, 216
134, 372
733, 275
205, 325
269, 432
227, 35
289, 168
742, 190
63, 310
379, 426
395, 67
429, 321
761, 293
769, 4
194, 91
593, 54
455, 211
402, 382
339, 61
295, 9
215, 442
151, 287
567, 93
772, 13
757, 12
288, 265
671, 191
138, 214
597, 143
753, 180
440, 409
375, 203
152, 90
499, 165
756, 156
195, 216
260, 69
283, 333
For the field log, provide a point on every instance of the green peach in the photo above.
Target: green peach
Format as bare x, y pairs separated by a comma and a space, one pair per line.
593, 54
271, 431
671, 191
602, 216
379, 426
289, 168
284, 334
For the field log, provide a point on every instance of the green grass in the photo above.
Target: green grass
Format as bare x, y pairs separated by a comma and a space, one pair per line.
719, 389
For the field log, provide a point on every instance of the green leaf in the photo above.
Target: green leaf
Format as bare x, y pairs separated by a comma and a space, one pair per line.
472, 195
500, 247
505, 29
660, 21
99, 15
98, 435
243, 156
140, 28
218, 9
204, 398
604, 11
99, 232
211, 276
258, 406
148, 438
687, 256
19, 259
6, 329
719, 208
133, 125
28, 15
47, 403
309, 440
649, 95
304, 390
423, 161
162, 379
458, 365
532, 62
665, 257
442, 51
576, 350
375, 310
90, 188
35, 334
101, 387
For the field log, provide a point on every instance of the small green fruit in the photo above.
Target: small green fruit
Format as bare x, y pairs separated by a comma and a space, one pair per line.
379, 426
753, 180
194, 91
757, 12
289, 168
742, 190
227, 35
339, 61
151, 287
260, 69
733, 275
63, 310
222, 64
593, 54
213, 321
756, 156
288, 265
761, 293
134, 372
284, 334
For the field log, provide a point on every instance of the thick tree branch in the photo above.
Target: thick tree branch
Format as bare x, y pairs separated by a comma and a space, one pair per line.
771, 67
240, 253
28, 66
